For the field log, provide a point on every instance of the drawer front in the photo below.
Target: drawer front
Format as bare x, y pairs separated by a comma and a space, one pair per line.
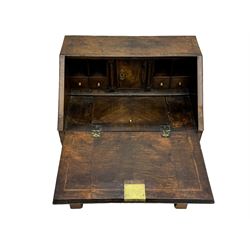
98, 82
78, 83
180, 82
129, 74
161, 82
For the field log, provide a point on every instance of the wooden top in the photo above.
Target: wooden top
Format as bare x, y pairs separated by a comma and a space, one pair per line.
130, 46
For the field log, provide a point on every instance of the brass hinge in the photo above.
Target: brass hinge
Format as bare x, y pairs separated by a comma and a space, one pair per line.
96, 131
166, 131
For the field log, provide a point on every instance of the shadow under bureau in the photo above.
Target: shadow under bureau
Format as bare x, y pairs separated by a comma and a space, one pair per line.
130, 120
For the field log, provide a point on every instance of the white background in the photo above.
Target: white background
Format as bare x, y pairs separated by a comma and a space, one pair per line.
31, 34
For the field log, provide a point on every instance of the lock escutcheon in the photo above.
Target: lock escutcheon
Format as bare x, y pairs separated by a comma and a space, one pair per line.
122, 75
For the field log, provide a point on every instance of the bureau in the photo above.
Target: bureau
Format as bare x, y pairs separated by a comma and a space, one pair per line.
130, 120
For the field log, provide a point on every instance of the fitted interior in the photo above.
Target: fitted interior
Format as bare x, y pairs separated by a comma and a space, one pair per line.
131, 95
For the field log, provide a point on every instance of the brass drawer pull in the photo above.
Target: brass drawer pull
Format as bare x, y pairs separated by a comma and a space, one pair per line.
98, 84
79, 84
161, 84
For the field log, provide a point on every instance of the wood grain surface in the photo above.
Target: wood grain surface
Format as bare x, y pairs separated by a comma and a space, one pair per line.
95, 169
131, 88
130, 46
130, 113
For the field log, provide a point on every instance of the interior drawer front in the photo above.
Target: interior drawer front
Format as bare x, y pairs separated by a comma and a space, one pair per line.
161, 83
78, 83
180, 82
98, 83
129, 74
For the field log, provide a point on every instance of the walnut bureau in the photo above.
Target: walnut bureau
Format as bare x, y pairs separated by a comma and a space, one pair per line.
130, 120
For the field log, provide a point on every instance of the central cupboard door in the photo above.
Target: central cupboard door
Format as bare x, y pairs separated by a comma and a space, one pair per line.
130, 74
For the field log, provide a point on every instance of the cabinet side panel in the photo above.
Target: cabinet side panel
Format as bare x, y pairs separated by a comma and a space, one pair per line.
200, 93
61, 94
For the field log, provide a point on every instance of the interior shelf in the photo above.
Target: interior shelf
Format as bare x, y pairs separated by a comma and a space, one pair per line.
169, 92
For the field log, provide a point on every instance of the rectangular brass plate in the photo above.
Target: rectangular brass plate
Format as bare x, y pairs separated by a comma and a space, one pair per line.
134, 192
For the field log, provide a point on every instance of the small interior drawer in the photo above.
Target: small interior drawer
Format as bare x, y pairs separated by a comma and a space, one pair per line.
78, 83
161, 82
179, 82
98, 82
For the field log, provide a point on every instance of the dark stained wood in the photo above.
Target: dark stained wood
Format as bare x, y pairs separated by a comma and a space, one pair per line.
61, 95
125, 110
131, 112
76, 205
129, 46
160, 82
135, 92
79, 112
180, 205
180, 112
175, 58
77, 83
129, 74
200, 93
98, 82
180, 82
95, 169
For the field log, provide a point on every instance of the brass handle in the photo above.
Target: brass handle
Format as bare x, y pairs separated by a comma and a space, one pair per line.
79, 84
180, 83
98, 84
161, 84
122, 75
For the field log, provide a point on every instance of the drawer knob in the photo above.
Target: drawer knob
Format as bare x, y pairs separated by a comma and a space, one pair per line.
180, 83
130, 121
79, 84
161, 84
98, 84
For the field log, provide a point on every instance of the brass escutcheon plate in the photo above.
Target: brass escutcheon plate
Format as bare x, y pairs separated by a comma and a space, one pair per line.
134, 192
